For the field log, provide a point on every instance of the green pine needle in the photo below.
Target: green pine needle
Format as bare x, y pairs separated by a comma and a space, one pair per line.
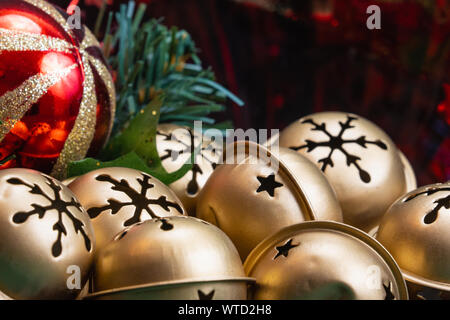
150, 58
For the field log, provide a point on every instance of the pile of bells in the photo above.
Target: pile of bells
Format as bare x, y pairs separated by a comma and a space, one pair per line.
336, 202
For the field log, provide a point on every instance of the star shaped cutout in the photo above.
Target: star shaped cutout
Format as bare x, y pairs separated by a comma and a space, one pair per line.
387, 289
268, 184
284, 249
202, 296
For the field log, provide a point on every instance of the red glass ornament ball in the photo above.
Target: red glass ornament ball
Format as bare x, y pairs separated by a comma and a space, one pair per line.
57, 96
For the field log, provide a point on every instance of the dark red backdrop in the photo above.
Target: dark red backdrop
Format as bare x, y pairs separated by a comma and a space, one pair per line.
314, 57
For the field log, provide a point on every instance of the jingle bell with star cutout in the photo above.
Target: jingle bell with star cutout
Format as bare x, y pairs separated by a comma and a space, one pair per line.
307, 256
250, 198
172, 258
46, 234
116, 198
175, 146
359, 160
415, 230
57, 95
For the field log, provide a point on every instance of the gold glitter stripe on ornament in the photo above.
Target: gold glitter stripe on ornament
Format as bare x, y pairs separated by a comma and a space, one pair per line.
107, 79
14, 104
53, 12
80, 138
88, 41
26, 41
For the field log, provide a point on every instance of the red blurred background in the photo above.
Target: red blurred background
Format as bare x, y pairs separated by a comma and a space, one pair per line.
286, 59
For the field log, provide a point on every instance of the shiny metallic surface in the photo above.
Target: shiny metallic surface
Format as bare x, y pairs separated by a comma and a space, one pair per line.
175, 146
303, 257
116, 198
415, 230
234, 289
68, 181
44, 232
411, 184
250, 199
423, 292
4, 297
411, 181
358, 158
373, 232
169, 258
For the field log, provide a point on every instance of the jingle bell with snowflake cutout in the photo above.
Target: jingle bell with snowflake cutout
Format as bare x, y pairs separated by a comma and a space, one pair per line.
56, 93
175, 146
304, 257
252, 198
170, 258
415, 230
45, 235
360, 161
116, 198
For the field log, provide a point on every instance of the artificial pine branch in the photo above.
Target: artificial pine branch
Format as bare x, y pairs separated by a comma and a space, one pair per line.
158, 77
149, 58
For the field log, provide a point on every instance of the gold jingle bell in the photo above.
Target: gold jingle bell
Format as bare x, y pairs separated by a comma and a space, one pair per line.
415, 230
116, 198
410, 176
411, 183
360, 161
172, 258
305, 257
47, 238
175, 146
250, 198
68, 181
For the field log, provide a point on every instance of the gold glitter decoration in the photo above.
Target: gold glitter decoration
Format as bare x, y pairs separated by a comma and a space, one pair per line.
26, 41
23, 97
109, 84
89, 40
99, 66
79, 139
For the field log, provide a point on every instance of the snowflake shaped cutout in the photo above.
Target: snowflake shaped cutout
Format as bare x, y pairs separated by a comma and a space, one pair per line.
337, 142
443, 202
59, 205
192, 187
138, 199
